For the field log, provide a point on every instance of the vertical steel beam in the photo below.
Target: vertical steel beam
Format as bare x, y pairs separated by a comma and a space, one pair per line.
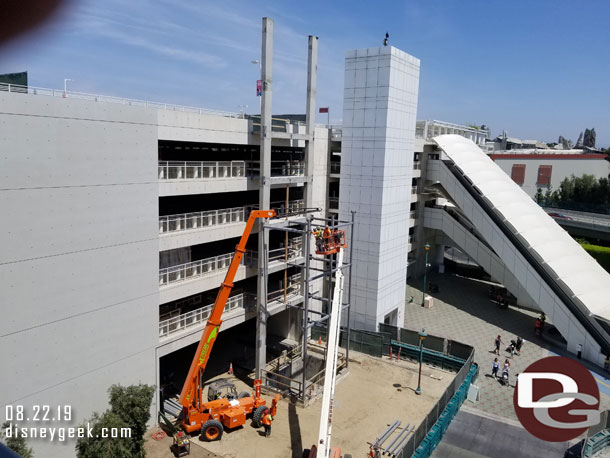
310, 116
264, 194
306, 305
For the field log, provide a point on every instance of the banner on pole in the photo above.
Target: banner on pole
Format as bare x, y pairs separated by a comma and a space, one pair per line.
324, 110
259, 88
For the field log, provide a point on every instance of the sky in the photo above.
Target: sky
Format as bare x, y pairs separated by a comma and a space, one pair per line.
537, 69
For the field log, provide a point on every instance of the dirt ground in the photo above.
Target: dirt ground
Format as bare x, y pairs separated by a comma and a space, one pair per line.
374, 394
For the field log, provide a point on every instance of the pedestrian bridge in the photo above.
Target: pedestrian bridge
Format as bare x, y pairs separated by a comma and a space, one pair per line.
520, 245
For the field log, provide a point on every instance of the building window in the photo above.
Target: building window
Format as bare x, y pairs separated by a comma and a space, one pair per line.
518, 173
544, 175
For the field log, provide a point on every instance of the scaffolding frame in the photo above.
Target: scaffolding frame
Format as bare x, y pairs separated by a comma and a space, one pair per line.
303, 227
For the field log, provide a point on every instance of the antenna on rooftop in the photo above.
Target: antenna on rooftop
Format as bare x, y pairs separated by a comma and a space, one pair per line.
385, 40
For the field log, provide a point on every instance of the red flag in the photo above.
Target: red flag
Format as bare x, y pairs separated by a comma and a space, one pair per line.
324, 110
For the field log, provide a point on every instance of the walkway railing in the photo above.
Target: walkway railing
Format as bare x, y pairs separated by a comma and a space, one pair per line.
111, 99
295, 250
333, 203
279, 168
243, 301
190, 270
200, 220
335, 167
195, 317
192, 170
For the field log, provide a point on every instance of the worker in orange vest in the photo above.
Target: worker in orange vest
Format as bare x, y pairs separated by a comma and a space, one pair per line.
266, 421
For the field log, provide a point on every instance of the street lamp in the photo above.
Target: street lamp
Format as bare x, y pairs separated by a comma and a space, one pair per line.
260, 75
422, 336
66, 84
423, 294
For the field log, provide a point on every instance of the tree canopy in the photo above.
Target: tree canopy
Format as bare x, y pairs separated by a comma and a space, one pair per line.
585, 193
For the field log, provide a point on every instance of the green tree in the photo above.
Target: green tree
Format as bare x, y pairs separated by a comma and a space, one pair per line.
539, 197
132, 405
130, 409
15, 442
106, 447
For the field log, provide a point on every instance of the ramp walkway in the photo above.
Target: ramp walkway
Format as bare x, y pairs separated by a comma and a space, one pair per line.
549, 267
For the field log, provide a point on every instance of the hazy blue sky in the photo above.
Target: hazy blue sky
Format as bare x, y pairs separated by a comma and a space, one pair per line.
537, 68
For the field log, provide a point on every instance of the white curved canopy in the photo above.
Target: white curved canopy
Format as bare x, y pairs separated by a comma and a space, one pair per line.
563, 257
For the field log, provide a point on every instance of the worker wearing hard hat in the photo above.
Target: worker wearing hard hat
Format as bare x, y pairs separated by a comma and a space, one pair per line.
266, 421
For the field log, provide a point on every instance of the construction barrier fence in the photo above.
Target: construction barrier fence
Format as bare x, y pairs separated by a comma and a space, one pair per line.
369, 342
444, 353
598, 437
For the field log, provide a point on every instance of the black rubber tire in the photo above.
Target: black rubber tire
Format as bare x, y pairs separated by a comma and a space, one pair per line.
257, 416
347, 455
243, 394
212, 430
306, 453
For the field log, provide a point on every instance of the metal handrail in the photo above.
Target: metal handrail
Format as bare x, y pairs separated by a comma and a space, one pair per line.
201, 220
413, 189
335, 167
31, 90
223, 216
201, 170
333, 203
195, 269
288, 167
194, 317
295, 250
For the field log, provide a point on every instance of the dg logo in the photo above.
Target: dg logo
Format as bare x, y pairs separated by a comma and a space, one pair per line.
556, 399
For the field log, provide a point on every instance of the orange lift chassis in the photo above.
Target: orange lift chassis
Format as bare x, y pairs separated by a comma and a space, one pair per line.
213, 417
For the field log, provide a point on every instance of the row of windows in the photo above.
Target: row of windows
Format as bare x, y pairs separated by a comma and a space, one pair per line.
544, 174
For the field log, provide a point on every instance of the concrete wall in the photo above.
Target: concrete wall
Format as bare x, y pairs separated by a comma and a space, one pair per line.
79, 288
562, 168
195, 127
379, 109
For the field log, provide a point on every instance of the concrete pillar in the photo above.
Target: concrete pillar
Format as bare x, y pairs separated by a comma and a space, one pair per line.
310, 115
439, 255
264, 194
379, 112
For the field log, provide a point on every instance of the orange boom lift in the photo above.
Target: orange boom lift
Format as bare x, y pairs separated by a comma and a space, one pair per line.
212, 417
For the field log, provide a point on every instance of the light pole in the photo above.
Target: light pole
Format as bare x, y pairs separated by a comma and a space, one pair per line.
260, 76
66, 85
422, 336
423, 294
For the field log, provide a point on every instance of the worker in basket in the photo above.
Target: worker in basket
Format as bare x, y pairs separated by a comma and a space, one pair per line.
327, 235
317, 232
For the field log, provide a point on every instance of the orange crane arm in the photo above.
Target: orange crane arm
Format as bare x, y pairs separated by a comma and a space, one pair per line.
189, 394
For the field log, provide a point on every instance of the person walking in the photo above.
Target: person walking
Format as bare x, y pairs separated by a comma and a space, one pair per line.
495, 366
505, 370
266, 421
519, 345
498, 343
